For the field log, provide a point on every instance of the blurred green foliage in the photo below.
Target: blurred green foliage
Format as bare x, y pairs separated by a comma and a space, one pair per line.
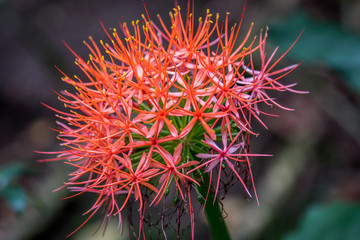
337, 220
10, 190
323, 42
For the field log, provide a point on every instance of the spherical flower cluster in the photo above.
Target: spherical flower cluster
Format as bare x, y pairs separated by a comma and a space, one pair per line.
163, 107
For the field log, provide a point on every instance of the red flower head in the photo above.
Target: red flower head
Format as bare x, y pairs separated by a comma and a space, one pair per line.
136, 121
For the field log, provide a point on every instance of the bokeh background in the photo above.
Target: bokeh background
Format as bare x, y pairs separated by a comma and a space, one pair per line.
309, 189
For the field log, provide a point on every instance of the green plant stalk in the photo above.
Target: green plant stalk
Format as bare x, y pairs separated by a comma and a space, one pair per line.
213, 213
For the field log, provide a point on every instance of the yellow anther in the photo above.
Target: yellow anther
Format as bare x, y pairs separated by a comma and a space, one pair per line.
207, 10
101, 42
114, 29
200, 18
90, 37
133, 23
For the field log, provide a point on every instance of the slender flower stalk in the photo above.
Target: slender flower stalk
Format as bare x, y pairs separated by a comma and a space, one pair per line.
144, 121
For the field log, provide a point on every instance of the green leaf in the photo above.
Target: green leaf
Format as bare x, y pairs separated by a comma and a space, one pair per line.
338, 220
323, 42
15, 197
10, 173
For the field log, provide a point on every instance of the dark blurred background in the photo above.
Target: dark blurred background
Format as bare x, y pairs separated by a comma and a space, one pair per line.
309, 189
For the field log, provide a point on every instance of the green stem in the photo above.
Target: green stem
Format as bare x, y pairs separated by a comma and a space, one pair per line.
213, 213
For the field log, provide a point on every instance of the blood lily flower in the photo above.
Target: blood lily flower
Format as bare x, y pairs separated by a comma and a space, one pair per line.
227, 155
145, 118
